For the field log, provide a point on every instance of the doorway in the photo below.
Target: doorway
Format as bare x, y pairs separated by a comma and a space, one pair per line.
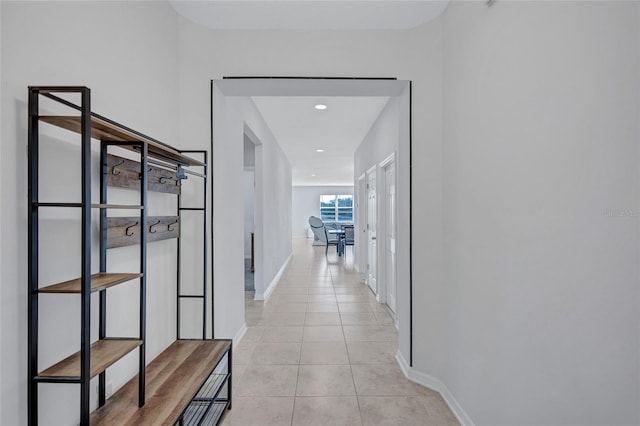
229, 98
249, 160
372, 231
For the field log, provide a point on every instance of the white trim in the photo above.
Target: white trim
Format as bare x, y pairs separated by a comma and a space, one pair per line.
390, 159
274, 283
436, 385
240, 334
372, 169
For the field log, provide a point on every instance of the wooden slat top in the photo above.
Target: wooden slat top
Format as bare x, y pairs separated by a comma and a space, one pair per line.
99, 282
104, 130
173, 378
104, 353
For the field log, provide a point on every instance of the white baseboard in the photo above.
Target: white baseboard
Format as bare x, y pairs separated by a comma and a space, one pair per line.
240, 334
436, 385
274, 282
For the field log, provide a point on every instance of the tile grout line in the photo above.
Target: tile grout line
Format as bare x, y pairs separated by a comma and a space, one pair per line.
353, 379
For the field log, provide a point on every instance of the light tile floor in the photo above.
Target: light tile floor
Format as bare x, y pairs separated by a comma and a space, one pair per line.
321, 351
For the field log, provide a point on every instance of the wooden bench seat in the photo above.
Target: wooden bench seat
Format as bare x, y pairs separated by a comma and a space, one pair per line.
172, 380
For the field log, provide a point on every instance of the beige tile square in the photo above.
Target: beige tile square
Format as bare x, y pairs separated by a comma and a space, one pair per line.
358, 318
322, 298
378, 307
290, 298
321, 290
370, 333
323, 333
372, 352
276, 354
321, 284
288, 289
243, 351
439, 412
253, 334
237, 373
286, 319
260, 411
268, 380
385, 380
324, 353
325, 411
393, 411
322, 318
255, 318
322, 307
384, 318
344, 283
353, 298
277, 306
349, 290
354, 307
325, 380
277, 334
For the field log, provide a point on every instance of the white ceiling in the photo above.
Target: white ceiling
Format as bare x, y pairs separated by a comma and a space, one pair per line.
310, 14
300, 130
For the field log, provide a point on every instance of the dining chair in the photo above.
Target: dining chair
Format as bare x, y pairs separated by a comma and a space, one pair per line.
332, 240
349, 237
320, 231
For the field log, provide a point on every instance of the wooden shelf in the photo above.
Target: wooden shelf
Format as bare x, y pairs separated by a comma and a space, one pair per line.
93, 206
105, 130
104, 353
173, 379
99, 282
117, 206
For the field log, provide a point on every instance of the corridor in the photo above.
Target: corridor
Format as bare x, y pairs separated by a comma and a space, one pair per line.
321, 351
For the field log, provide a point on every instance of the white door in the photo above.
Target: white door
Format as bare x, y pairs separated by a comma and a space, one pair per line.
360, 246
390, 231
372, 218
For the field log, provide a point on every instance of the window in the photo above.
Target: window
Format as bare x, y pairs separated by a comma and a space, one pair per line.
336, 208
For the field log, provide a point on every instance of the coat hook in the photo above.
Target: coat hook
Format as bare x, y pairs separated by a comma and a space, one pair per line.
151, 230
126, 231
164, 179
169, 226
114, 169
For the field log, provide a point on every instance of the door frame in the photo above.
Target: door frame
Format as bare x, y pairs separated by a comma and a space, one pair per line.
360, 252
373, 171
258, 202
248, 85
381, 190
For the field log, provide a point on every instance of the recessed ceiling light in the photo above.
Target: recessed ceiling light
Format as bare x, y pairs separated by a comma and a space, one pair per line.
320, 106
319, 150
313, 175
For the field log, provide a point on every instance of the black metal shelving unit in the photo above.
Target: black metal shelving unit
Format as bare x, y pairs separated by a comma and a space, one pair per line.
94, 358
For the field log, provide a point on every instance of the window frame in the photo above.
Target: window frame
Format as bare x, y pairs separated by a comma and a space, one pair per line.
337, 209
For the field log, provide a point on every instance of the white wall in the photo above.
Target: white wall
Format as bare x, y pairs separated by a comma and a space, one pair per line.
125, 52
388, 136
380, 142
306, 202
539, 317
272, 197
